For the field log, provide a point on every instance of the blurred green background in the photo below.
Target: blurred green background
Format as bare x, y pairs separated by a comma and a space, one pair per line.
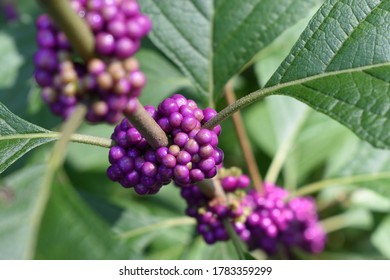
90, 217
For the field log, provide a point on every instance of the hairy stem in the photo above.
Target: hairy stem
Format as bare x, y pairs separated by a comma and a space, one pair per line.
238, 105
91, 140
243, 139
82, 40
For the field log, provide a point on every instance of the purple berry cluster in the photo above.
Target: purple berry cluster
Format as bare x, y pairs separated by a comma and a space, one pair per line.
108, 87
191, 157
112, 88
210, 214
263, 221
273, 222
209, 218
118, 25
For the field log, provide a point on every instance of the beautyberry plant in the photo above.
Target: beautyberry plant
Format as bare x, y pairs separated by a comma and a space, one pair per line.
193, 95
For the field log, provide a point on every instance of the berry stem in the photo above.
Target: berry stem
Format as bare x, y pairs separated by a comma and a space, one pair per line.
91, 140
78, 33
238, 105
82, 39
244, 140
148, 127
77, 138
212, 189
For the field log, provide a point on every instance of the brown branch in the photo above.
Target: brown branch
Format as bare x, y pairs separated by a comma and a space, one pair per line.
243, 139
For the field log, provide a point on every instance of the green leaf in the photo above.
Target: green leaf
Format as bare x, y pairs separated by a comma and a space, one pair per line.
381, 237
341, 66
17, 137
211, 41
19, 206
163, 78
269, 59
71, 230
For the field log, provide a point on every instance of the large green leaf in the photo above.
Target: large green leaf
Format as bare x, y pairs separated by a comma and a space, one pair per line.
19, 210
211, 41
71, 230
341, 67
17, 137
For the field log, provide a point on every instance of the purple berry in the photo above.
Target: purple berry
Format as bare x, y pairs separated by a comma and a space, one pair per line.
169, 161
206, 164
149, 169
95, 21
46, 38
117, 28
196, 175
183, 157
204, 136
126, 164
229, 183
180, 139
181, 172
126, 47
105, 43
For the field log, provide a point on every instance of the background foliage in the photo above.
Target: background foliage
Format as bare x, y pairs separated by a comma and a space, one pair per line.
339, 66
